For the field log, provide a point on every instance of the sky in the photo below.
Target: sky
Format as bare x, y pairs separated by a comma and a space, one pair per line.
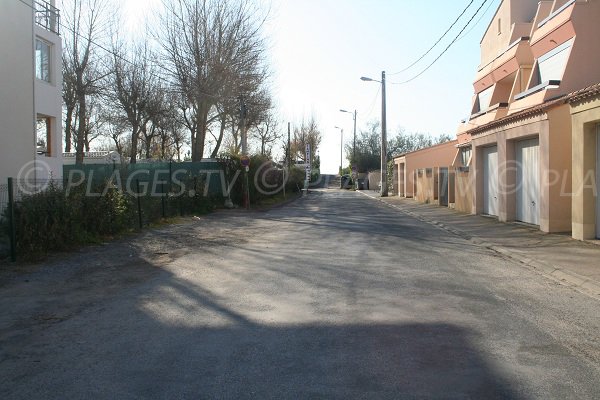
319, 49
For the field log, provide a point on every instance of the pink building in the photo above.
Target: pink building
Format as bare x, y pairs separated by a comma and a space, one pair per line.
422, 164
527, 146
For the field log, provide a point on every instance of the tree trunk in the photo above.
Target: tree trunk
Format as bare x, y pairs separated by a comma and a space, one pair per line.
201, 119
68, 127
148, 145
134, 144
215, 152
81, 128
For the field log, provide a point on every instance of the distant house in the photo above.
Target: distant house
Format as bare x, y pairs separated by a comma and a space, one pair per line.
410, 167
31, 82
94, 157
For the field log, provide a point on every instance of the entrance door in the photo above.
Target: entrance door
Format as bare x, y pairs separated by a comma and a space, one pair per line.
443, 190
598, 183
490, 180
528, 181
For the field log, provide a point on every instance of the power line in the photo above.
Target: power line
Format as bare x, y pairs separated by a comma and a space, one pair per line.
445, 50
437, 42
372, 106
477, 22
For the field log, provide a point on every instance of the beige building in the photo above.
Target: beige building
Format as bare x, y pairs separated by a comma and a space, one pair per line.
531, 137
585, 119
31, 81
410, 166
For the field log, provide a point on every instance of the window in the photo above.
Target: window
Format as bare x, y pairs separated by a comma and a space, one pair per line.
43, 137
465, 156
483, 100
551, 66
42, 60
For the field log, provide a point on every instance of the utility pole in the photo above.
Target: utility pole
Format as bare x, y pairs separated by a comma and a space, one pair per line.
341, 149
353, 161
289, 147
354, 144
384, 188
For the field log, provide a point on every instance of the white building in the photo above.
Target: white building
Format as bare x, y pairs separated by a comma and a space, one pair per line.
31, 82
94, 157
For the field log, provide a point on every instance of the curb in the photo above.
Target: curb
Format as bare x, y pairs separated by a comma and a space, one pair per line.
574, 280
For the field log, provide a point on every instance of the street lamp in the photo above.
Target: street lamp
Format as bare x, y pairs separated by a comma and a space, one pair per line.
354, 143
341, 147
384, 189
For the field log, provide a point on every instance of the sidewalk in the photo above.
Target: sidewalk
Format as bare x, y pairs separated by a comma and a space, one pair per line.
555, 255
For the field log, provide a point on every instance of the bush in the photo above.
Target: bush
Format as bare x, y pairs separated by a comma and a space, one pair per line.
52, 220
265, 178
56, 219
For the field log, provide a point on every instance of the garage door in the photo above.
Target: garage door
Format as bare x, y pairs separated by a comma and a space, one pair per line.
598, 183
528, 181
490, 180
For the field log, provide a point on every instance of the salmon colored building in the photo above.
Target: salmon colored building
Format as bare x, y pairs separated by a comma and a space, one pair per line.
529, 151
415, 172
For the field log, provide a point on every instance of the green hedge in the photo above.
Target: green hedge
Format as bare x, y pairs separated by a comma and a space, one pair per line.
58, 219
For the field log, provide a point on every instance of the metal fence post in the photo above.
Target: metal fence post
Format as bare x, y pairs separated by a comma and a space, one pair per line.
164, 215
11, 221
139, 204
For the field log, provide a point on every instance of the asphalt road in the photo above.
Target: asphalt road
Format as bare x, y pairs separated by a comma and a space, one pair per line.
333, 296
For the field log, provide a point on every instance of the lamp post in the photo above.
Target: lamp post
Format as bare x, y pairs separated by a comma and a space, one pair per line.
341, 147
354, 141
384, 189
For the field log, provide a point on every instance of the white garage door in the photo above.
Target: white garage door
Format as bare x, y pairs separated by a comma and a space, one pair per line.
490, 180
528, 181
598, 183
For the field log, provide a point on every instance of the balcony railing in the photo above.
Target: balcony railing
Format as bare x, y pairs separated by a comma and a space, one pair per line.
47, 16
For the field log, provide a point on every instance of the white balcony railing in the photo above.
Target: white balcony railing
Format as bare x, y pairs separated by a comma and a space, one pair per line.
47, 16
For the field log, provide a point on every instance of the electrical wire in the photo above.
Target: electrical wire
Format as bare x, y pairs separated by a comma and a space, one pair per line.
445, 50
372, 106
477, 22
437, 42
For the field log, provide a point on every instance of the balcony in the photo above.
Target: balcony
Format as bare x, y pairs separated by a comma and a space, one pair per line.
47, 16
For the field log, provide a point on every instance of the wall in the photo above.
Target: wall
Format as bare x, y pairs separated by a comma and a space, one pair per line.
428, 185
584, 116
463, 191
554, 132
514, 17
374, 180
16, 81
48, 103
441, 155
557, 171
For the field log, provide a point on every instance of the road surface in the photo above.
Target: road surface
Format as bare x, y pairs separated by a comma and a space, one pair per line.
333, 296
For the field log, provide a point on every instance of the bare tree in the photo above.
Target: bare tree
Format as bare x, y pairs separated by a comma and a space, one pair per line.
81, 66
307, 133
214, 49
69, 100
135, 91
267, 133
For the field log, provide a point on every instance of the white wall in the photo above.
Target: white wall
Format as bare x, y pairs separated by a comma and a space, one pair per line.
17, 140
48, 102
22, 97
